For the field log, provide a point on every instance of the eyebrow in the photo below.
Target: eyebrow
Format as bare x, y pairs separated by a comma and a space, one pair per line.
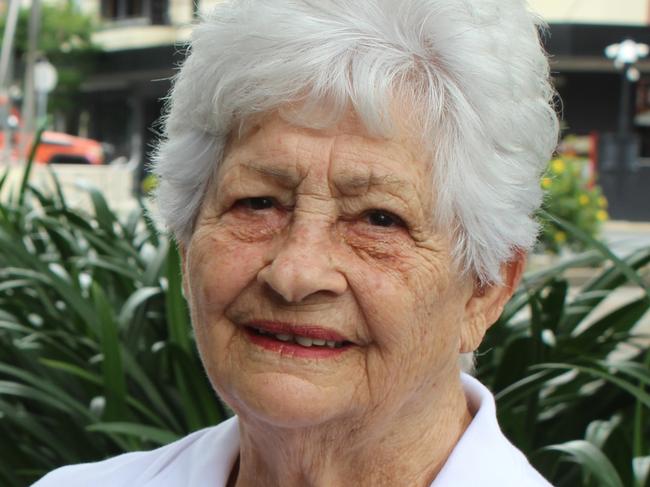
285, 178
348, 185
367, 181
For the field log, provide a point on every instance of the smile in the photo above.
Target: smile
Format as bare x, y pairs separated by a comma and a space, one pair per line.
301, 341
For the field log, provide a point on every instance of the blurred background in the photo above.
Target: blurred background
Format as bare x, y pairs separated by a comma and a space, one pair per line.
99, 70
95, 340
110, 64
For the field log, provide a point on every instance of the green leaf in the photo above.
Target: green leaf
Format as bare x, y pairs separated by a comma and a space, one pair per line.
517, 355
156, 263
632, 389
3, 178
121, 268
641, 469
42, 390
103, 214
135, 301
114, 381
140, 431
150, 388
625, 269
177, 315
29, 424
30, 164
609, 327
599, 431
73, 370
10, 388
591, 460
57, 187
531, 384
151, 227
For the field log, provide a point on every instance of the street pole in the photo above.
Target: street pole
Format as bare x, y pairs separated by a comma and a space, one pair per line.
625, 55
624, 136
32, 52
5, 65
624, 109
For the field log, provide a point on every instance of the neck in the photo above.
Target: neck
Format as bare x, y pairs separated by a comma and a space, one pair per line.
407, 447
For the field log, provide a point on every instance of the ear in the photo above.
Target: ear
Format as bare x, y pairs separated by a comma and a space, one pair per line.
487, 301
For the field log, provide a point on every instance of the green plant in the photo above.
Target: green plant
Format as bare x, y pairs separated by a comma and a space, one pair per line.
571, 194
96, 353
95, 342
571, 384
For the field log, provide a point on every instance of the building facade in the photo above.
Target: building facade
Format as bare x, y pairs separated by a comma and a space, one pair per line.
598, 99
143, 41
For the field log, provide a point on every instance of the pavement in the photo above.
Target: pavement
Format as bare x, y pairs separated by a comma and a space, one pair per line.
624, 237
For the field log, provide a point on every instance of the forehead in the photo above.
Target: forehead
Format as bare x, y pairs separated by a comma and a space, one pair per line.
272, 147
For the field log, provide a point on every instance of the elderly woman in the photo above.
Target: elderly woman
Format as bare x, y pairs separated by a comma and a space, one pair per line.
351, 184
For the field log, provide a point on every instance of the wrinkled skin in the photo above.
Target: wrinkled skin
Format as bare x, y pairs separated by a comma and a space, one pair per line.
337, 234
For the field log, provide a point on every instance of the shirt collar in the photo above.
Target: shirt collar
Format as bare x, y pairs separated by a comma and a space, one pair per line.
480, 457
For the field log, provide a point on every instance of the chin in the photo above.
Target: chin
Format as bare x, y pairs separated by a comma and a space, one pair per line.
284, 401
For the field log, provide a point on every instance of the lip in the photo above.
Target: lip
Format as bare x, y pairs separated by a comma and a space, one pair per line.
292, 349
314, 332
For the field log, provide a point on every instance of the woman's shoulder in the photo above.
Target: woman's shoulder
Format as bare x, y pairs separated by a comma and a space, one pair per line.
204, 456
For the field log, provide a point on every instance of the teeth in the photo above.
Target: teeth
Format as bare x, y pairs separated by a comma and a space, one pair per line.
304, 341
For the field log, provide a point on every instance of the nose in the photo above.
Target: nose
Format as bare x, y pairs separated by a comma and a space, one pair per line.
303, 265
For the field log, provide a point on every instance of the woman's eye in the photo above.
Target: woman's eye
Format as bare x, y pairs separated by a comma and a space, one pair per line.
256, 203
383, 218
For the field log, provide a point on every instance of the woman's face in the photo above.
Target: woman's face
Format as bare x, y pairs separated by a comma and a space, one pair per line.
324, 238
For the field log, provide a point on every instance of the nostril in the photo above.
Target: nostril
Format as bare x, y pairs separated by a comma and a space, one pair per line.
279, 284
296, 279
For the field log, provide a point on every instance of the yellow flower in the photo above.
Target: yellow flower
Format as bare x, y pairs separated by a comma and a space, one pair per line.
546, 183
583, 199
558, 166
560, 237
601, 215
602, 202
149, 183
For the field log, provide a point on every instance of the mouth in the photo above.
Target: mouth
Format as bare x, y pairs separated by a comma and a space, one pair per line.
306, 341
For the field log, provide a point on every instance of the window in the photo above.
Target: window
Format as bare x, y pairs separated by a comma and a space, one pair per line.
153, 11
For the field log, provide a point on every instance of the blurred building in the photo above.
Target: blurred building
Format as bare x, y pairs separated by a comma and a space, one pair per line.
142, 42
591, 88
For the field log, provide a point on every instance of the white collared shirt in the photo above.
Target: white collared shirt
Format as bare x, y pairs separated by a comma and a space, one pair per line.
482, 457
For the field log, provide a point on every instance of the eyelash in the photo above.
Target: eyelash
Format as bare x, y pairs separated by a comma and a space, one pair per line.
382, 218
249, 203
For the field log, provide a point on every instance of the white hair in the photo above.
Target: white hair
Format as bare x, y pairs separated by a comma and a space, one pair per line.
474, 70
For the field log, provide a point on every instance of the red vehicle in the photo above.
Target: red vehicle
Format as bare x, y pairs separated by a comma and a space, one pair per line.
55, 147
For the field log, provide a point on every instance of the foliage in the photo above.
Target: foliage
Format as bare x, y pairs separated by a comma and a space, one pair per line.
571, 194
65, 40
571, 385
95, 339
95, 342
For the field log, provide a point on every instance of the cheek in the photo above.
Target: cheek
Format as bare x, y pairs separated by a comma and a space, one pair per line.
388, 249
220, 272
404, 299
